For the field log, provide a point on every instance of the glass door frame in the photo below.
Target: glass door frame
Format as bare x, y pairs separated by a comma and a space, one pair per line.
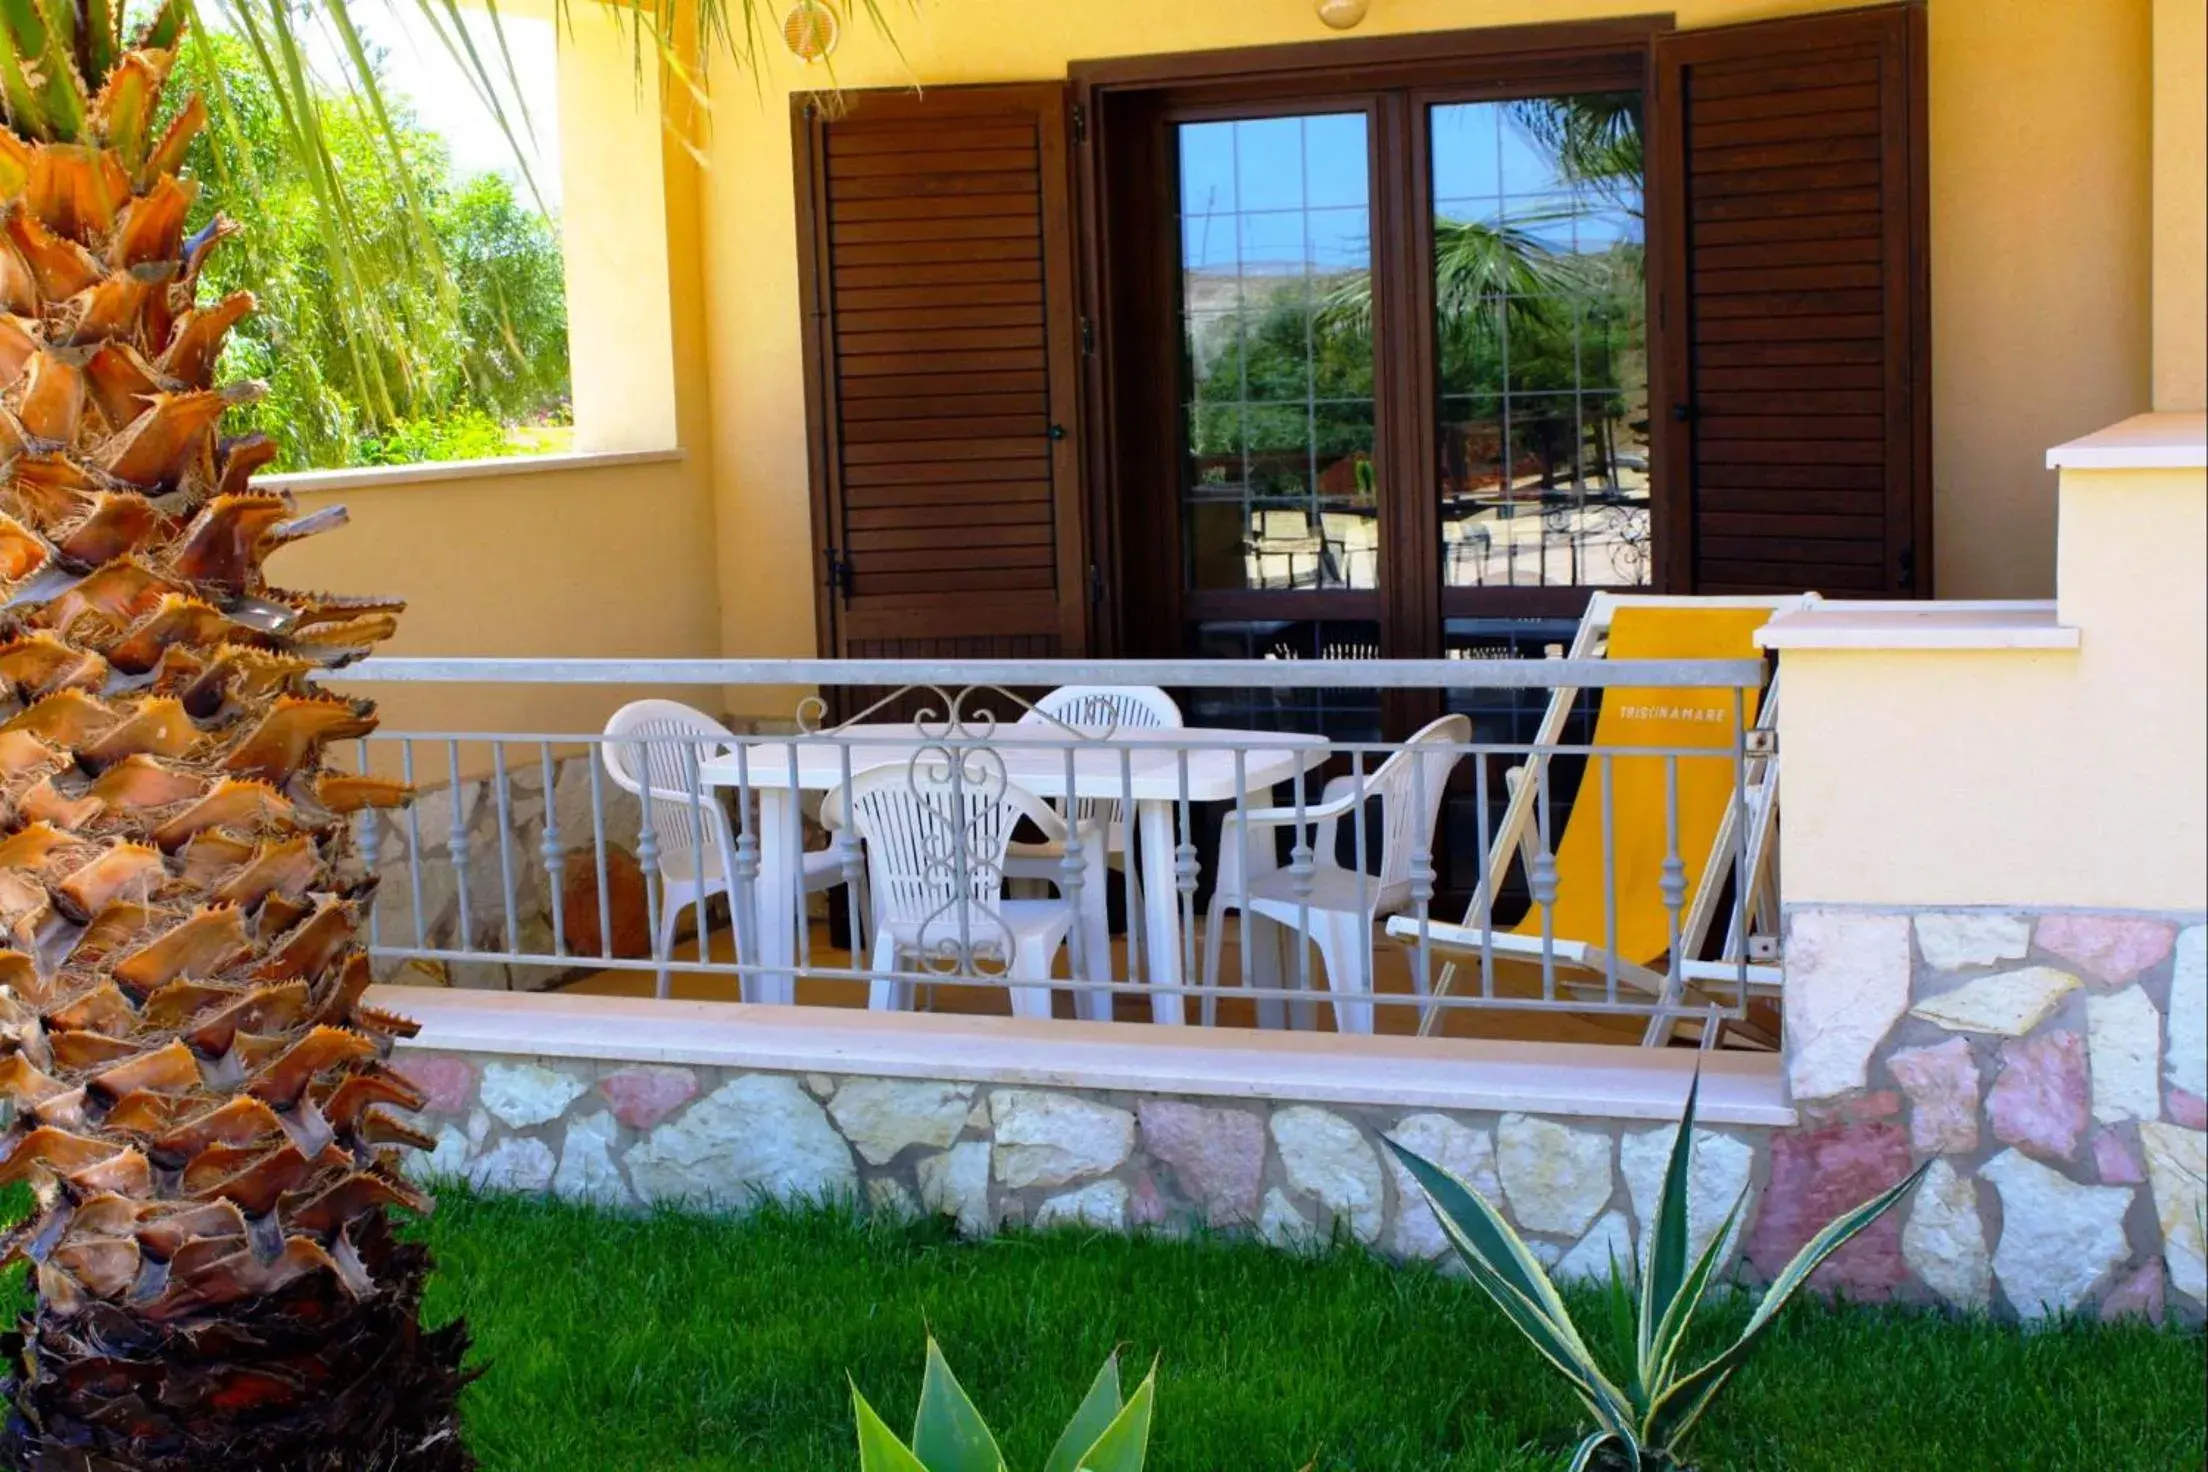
1131, 252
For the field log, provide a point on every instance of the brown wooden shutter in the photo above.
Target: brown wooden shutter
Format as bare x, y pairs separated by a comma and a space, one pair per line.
941, 362
1789, 163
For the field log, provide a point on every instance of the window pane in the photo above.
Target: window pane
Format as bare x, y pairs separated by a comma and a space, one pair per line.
1541, 336
1276, 284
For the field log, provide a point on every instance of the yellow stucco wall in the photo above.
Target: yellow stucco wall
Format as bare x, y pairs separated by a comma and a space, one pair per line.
2180, 204
2041, 193
2024, 778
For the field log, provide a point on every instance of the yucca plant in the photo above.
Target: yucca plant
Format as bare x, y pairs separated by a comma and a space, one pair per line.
1106, 1434
1642, 1424
198, 1095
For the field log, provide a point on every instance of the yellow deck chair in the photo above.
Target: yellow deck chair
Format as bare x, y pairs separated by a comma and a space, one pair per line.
1580, 943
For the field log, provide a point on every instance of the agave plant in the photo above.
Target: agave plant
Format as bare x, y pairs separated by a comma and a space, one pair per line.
949, 1435
1642, 1424
198, 1095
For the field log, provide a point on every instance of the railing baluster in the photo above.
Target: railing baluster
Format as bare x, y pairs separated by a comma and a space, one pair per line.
413, 843
597, 763
552, 846
704, 851
503, 801
368, 835
647, 859
746, 920
1357, 848
1672, 888
1543, 880
1422, 868
1070, 865
460, 847
1300, 871
1184, 880
1609, 881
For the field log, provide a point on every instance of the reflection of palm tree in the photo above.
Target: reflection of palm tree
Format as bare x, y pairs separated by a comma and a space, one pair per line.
1483, 273
1594, 138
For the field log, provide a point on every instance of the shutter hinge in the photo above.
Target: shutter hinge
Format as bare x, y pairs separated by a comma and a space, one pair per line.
839, 574
1080, 123
1088, 338
1096, 585
1905, 575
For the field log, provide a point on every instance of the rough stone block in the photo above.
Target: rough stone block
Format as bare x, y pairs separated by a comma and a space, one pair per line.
2040, 1099
2124, 1039
1847, 981
525, 1094
881, 1117
1944, 1241
1556, 1179
2006, 1004
1951, 940
1328, 1158
1217, 1156
1464, 1152
756, 1135
1049, 1139
2058, 1238
644, 1095
2111, 949
2177, 1166
1816, 1174
1942, 1084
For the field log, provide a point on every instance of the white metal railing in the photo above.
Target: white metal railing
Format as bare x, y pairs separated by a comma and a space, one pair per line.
1316, 857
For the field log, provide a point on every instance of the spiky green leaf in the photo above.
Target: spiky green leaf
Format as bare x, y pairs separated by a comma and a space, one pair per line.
1125, 1444
1098, 1409
879, 1448
948, 1434
1682, 1404
1667, 1253
1501, 1264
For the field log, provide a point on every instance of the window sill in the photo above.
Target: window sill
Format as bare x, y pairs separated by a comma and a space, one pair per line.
391, 477
1580, 1079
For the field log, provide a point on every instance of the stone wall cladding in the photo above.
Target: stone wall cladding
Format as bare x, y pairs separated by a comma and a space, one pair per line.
2051, 1064
624, 1134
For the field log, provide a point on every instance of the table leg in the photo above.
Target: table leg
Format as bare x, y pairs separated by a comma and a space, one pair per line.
776, 896
1161, 912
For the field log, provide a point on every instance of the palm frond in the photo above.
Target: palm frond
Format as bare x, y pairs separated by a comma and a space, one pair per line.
54, 56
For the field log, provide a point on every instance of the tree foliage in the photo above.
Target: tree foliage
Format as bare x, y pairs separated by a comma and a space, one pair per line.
473, 300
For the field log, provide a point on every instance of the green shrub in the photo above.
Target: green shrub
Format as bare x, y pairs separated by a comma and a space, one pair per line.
1641, 1424
948, 1434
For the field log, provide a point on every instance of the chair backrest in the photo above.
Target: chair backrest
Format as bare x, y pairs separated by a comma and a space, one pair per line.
1115, 707
1626, 866
1409, 785
649, 746
936, 829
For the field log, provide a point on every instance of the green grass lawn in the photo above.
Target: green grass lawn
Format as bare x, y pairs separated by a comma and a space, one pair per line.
695, 1342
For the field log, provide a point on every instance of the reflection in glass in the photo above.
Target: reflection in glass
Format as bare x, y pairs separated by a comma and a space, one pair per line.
1275, 290
1541, 332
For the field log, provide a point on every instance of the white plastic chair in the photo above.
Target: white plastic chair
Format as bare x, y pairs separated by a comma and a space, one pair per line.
1340, 906
935, 848
1113, 708
694, 861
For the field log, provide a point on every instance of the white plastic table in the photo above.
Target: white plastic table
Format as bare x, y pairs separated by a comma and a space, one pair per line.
1034, 757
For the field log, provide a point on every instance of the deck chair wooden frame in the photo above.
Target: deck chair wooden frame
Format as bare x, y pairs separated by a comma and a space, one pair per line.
1757, 807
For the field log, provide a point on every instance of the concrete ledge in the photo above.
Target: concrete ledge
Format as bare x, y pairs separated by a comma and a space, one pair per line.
392, 477
2142, 442
1586, 1080
1905, 626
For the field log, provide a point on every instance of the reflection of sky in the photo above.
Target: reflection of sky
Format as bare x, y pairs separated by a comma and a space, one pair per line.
1279, 193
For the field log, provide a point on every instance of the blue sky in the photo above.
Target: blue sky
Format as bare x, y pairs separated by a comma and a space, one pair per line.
1285, 191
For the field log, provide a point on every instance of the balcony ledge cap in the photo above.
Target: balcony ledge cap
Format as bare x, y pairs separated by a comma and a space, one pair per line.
1897, 626
2173, 441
